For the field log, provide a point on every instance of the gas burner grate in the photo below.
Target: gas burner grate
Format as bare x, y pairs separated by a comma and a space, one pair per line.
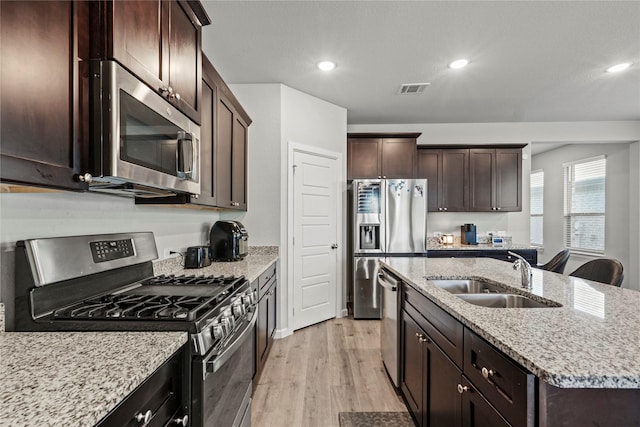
143, 307
173, 280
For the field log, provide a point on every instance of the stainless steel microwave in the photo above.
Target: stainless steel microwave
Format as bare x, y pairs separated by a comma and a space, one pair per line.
141, 145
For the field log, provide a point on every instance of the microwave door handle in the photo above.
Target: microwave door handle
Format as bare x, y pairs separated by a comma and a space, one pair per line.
184, 155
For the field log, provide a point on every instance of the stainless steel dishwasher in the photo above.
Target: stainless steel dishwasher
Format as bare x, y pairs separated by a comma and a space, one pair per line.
389, 327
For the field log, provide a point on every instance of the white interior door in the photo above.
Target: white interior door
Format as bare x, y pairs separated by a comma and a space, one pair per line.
315, 238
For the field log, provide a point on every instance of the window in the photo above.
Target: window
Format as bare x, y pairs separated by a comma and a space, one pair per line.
584, 205
537, 207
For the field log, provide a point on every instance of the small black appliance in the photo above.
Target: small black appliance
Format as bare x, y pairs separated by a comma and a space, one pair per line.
468, 234
229, 241
197, 257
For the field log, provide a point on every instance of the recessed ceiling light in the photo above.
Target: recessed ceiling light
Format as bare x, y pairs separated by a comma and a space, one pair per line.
326, 65
459, 63
618, 67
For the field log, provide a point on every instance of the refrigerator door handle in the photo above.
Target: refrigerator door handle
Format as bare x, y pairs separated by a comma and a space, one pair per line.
387, 284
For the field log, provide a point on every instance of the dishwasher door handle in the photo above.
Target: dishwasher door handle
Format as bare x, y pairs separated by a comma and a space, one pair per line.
382, 280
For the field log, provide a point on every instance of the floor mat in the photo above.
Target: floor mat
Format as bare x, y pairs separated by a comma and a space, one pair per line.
375, 419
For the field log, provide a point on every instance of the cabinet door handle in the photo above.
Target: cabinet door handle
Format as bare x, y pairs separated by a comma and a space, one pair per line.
486, 373
421, 337
462, 389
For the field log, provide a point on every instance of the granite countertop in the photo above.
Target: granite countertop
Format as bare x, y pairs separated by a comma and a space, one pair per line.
592, 341
457, 246
251, 266
75, 378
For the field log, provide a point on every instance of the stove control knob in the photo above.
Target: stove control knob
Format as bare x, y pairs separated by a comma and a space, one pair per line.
246, 299
228, 323
238, 308
218, 331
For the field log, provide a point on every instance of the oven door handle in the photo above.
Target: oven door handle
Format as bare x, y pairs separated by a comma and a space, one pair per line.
219, 360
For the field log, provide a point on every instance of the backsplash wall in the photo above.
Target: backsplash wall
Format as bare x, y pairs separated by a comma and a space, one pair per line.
36, 215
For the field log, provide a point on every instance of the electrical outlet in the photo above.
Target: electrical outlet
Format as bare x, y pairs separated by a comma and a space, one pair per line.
167, 253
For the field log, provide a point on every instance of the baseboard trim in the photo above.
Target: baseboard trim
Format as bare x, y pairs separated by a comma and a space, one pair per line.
282, 333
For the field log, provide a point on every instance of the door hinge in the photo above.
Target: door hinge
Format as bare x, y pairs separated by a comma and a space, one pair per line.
294, 168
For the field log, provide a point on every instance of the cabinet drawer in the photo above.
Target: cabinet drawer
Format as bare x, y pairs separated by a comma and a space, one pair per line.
161, 394
265, 280
445, 331
506, 385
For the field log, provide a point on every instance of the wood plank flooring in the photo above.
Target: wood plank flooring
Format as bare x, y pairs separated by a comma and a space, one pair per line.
319, 371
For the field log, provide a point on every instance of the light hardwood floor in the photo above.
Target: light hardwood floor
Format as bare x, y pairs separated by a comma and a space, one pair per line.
322, 370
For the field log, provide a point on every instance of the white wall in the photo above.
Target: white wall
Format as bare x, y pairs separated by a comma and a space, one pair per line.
618, 243
302, 119
633, 268
262, 220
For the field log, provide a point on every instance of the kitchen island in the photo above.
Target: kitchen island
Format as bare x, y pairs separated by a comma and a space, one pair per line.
585, 351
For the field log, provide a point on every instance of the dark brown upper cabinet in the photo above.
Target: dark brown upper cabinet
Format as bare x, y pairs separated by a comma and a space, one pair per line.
157, 40
388, 155
231, 141
495, 179
447, 174
43, 90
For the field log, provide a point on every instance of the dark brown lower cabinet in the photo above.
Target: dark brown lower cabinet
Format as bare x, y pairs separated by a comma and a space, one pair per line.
446, 386
476, 411
267, 289
164, 395
429, 378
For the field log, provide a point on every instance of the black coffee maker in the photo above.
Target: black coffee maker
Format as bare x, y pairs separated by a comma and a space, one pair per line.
468, 234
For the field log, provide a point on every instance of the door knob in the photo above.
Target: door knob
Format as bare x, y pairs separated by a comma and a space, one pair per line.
334, 246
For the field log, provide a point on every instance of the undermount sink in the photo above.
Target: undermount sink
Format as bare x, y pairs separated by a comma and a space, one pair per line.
504, 301
468, 286
487, 294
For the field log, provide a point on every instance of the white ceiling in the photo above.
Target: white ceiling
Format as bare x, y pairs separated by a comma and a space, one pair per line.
531, 61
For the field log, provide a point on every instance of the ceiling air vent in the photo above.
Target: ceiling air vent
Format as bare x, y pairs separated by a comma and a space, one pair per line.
412, 88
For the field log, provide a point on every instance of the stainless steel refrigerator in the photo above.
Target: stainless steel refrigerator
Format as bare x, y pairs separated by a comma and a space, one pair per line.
389, 218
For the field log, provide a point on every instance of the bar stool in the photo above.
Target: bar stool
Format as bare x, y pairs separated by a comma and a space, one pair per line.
557, 263
603, 270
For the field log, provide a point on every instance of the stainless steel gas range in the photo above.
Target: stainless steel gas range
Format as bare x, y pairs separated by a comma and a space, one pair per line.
106, 283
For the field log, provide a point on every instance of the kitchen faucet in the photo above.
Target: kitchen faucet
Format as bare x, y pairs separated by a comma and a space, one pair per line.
525, 269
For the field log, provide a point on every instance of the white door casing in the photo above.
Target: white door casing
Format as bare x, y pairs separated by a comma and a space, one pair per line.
315, 212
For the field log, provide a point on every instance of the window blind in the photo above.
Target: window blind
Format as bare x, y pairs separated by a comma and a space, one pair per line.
537, 207
584, 205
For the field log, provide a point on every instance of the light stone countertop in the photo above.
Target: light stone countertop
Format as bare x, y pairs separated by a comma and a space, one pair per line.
251, 266
592, 341
479, 247
75, 378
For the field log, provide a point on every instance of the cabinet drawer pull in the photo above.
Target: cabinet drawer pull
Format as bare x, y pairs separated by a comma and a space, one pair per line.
181, 421
144, 418
486, 373
462, 388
